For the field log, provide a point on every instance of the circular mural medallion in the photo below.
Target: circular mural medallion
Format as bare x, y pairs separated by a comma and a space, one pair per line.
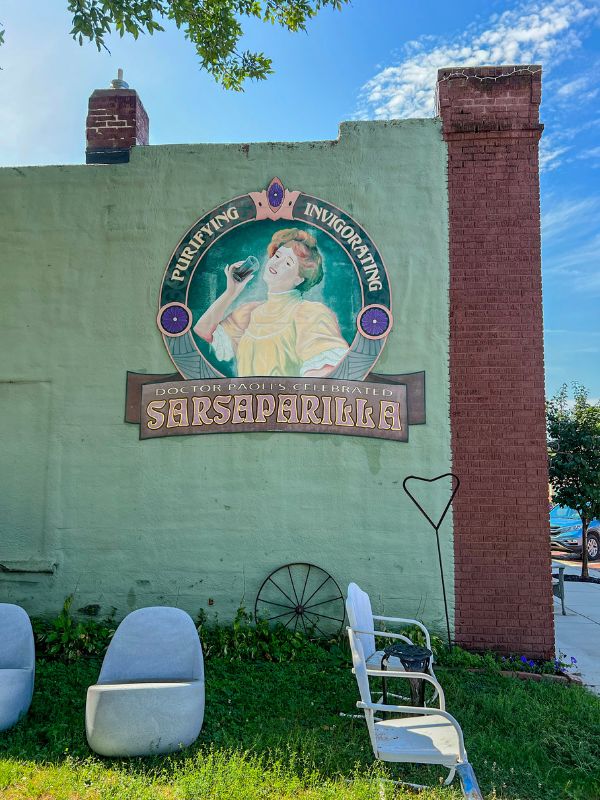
374, 322
275, 283
174, 319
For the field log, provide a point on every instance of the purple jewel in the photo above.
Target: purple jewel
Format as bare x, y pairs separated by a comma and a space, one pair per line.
275, 195
375, 321
174, 319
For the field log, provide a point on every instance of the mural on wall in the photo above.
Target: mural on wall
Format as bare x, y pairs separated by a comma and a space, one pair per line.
302, 290
273, 286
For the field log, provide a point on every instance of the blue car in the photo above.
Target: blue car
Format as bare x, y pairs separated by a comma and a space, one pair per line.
566, 533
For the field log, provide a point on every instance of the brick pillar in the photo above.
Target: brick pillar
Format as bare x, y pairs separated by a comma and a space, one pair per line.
501, 531
116, 121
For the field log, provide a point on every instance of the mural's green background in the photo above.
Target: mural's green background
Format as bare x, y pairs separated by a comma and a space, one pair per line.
182, 520
339, 289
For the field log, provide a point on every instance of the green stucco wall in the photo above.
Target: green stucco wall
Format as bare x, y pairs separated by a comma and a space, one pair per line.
181, 520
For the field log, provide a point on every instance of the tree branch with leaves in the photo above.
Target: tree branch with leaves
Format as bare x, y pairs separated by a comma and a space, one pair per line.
574, 452
214, 27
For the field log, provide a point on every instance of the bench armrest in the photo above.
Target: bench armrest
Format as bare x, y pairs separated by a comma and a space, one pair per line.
407, 622
406, 675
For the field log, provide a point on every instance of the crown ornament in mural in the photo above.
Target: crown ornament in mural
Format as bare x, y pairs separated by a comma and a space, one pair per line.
274, 308
275, 202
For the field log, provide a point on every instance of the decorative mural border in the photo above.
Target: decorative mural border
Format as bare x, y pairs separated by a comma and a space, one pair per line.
374, 321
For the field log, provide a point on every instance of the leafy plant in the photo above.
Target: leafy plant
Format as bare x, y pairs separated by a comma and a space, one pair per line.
69, 639
463, 659
574, 449
488, 661
244, 640
493, 662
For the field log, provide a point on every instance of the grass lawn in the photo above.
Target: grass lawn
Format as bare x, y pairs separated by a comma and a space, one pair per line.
274, 731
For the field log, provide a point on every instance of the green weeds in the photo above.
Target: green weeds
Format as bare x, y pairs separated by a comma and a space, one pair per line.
68, 639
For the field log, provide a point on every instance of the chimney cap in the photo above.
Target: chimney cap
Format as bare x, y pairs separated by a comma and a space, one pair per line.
118, 82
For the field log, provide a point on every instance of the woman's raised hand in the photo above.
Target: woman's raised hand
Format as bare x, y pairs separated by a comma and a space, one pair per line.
235, 287
217, 311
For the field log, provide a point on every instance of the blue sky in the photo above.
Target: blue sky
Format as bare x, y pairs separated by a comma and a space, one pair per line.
376, 59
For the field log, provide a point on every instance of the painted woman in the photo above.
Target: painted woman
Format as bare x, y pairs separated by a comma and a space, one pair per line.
285, 334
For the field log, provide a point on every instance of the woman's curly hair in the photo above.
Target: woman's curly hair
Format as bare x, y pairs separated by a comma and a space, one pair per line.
305, 247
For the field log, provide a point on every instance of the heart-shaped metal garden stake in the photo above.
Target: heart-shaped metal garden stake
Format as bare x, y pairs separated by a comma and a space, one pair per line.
436, 525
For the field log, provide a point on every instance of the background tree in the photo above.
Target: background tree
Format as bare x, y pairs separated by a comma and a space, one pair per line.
212, 26
574, 449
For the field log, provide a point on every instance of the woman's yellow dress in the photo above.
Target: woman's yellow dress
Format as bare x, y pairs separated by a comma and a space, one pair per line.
285, 335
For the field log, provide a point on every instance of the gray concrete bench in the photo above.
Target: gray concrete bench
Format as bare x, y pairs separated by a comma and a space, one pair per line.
17, 664
149, 698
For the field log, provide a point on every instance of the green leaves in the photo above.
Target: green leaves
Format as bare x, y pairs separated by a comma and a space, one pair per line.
213, 26
245, 641
68, 639
94, 20
574, 455
574, 450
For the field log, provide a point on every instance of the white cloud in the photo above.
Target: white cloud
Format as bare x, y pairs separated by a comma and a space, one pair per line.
566, 215
550, 154
532, 32
576, 266
575, 91
589, 281
571, 246
567, 332
573, 87
592, 152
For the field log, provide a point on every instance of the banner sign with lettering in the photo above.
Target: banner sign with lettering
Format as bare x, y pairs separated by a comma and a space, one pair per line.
274, 308
284, 404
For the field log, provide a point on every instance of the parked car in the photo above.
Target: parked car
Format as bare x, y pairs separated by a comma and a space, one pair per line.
566, 533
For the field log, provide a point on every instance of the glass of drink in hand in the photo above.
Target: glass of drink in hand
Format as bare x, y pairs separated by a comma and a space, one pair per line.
245, 268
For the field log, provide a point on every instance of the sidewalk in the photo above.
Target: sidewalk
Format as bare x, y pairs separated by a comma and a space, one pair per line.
578, 633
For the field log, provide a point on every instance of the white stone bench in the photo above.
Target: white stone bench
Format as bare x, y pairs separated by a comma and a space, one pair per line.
17, 664
149, 698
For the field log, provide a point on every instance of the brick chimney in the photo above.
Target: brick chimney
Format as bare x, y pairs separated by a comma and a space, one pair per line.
501, 545
116, 121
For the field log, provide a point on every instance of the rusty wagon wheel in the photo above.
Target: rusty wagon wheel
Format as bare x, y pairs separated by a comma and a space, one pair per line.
302, 597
